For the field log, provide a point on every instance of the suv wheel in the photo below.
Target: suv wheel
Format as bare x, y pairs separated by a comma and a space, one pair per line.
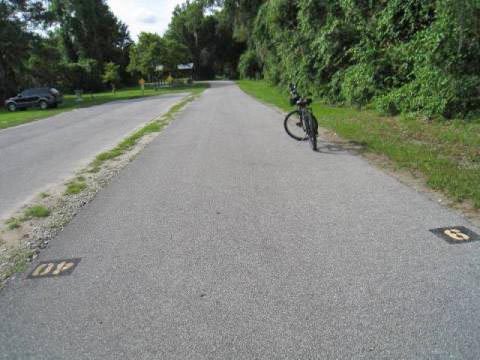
43, 105
12, 107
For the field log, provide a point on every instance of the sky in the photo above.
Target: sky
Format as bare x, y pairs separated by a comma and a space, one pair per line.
144, 15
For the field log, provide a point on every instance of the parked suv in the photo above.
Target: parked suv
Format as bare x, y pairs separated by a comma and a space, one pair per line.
39, 97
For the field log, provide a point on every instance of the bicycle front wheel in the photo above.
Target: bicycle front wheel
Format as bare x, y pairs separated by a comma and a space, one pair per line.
294, 126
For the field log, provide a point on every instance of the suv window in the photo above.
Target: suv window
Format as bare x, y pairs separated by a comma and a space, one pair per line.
42, 91
28, 93
36, 92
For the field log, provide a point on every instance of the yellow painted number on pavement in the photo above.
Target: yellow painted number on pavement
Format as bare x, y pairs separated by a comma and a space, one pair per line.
457, 235
45, 269
63, 266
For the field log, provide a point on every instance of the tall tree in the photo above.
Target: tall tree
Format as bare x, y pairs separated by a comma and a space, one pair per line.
147, 54
90, 30
194, 29
13, 48
15, 18
241, 15
45, 66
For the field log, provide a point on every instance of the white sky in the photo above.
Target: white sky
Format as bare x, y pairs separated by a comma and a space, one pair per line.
144, 15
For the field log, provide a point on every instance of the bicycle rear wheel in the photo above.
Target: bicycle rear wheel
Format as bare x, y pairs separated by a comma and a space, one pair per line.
312, 130
294, 126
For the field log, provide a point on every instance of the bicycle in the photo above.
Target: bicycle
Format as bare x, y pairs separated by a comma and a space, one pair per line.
301, 124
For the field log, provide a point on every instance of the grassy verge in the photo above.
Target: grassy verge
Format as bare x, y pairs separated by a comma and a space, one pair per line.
9, 119
445, 153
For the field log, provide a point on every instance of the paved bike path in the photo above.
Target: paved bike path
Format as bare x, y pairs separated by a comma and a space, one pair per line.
225, 239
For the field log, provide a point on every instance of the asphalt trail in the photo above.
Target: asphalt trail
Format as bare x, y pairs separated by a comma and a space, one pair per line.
225, 239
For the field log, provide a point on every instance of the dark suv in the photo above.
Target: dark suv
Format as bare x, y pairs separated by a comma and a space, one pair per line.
39, 97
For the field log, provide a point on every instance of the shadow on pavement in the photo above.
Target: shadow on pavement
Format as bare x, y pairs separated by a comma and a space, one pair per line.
326, 147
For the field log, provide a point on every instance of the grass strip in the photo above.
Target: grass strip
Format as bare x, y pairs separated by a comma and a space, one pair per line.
19, 260
36, 211
12, 223
445, 153
9, 119
75, 187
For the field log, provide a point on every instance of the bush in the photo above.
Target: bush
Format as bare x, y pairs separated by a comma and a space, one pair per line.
249, 66
433, 92
403, 55
358, 85
85, 74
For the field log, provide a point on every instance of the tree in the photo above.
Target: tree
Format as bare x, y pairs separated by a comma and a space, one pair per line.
45, 66
196, 31
15, 40
147, 54
90, 30
111, 75
241, 15
398, 55
91, 34
175, 54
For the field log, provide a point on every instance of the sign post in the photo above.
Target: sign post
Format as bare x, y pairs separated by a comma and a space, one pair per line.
141, 82
159, 70
186, 67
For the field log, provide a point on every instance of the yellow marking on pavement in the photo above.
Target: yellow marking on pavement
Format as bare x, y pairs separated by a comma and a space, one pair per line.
54, 268
457, 235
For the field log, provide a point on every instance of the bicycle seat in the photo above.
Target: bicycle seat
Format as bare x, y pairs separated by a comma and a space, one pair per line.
304, 102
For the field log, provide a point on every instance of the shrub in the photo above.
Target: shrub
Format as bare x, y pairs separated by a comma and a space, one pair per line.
249, 66
403, 55
358, 85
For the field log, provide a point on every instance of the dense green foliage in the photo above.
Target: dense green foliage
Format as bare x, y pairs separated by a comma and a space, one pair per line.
398, 55
77, 40
13, 46
207, 34
111, 75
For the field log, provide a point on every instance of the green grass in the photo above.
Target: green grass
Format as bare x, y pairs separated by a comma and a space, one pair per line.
446, 153
36, 211
12, 223
9, 119
127, 143
19, 260
44, 195
75, 187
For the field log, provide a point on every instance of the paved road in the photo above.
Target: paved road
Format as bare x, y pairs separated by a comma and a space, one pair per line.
227, 240
45, 152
